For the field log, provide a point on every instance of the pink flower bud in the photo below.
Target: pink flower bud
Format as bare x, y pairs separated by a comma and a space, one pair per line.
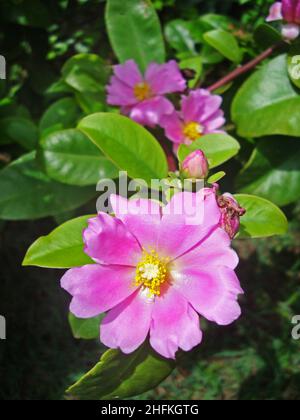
195, 165
230, 214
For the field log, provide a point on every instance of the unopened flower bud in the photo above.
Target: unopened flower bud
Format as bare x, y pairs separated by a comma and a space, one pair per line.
231, 213
195, 165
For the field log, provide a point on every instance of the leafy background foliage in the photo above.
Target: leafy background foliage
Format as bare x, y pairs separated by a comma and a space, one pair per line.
58, 81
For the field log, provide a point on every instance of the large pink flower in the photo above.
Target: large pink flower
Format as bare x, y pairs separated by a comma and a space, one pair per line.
143, 98
289, 11
155, 271
200, 114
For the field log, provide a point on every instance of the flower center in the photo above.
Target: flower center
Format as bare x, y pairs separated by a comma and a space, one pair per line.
142, 91
193, 130
151, 272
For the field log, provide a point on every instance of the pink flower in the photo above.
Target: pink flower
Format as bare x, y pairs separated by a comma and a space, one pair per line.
154, 273
289, 11
143, 98
231, 214
200, 114
195, 165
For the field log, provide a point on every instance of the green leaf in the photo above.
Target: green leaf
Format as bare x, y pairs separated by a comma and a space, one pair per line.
86, 329
62, 248
218, 148
294, 64
119, 376
266, 36
62, 114
27, 193
90, 102
178, 35
273, 171
216, 177
19, 130
267, 103
134, 31
225, 43
71, 158
263, 218
86, 73
129, 145
194, 64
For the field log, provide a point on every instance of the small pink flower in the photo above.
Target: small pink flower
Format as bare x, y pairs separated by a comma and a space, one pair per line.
143, 98
231, 214
195, 165
154, 273
200, 114
288, 11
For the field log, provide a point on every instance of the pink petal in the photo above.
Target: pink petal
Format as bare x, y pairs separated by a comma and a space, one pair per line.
165, 78
275, 12
108, 241
128, 73
212, 292
297, 13
120, 94
288, 10
175, 325
192, 105
214, 122
186, 220
151, 111
142, 218
214, 251
290, 31
96, 289
211, 106
173, 127
127, 325
200, 105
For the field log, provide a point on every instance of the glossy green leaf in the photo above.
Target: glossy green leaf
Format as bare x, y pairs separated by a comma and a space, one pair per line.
62, 114
273, 171
267, 103
262, 219
127, 144
119, 376
86, 73
86, 329
62, 248
266, 36
225, 43
19, 130
218, 148
27, 193
134, 31
71, 158
294, 64
178, 35
91, 102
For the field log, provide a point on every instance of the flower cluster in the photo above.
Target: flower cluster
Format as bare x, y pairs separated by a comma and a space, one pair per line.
289, 12
144, 100
154, 273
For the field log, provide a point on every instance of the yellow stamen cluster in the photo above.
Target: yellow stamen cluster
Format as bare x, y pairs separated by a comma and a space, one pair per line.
193, 131
151, 272
142, 91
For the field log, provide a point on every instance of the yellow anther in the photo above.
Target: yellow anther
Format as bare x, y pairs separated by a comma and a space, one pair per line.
193, 131
152, 272
142, 91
